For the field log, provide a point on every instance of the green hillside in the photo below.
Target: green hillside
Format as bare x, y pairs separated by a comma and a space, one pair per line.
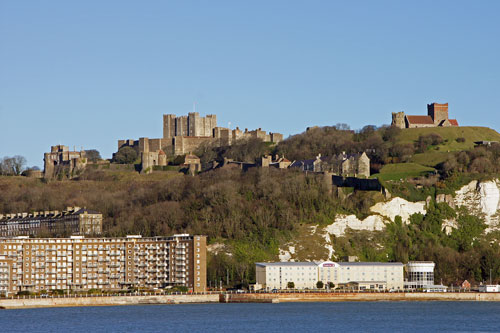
399, 171
454, 140
450, 136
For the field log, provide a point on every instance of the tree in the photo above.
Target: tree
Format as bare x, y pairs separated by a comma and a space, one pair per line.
331, 285
126, 155
12, 166
319, 285
290, 285
93, 155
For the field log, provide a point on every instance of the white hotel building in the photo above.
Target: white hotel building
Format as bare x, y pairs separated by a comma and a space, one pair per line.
359, 275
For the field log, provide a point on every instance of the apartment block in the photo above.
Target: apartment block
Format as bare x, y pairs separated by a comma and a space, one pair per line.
72, 221
80, 263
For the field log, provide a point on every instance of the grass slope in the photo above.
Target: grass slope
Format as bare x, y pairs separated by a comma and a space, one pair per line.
438, 154
450, 134
399, 171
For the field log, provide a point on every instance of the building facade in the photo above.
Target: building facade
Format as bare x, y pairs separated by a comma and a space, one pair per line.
346, 165
420, 274
72, 221
78, 263
369, 275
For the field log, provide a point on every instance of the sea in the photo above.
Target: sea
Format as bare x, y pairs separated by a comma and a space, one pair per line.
283, 317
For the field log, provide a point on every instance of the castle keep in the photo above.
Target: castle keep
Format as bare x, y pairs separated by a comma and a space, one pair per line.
184, 134
61, 158
437, 116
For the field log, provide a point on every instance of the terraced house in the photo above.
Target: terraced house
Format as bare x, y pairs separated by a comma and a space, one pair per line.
72, 221
79, 263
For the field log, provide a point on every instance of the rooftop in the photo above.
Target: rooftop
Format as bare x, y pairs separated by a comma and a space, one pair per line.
313, 263
370, 263
424, 120
290, 264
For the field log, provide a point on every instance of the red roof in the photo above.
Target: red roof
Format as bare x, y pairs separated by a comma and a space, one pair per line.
424, 120
453, 122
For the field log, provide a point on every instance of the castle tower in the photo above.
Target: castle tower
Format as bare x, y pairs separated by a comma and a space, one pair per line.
438, 112
194, 123
398, 119
168, 126
181, 126
144, 145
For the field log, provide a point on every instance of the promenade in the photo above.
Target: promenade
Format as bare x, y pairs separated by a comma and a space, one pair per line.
22, 302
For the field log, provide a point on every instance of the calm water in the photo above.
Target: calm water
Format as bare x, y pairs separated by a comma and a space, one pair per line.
284, 317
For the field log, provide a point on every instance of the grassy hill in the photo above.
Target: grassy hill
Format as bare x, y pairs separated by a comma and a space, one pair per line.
450, 136
399, 171
454, 139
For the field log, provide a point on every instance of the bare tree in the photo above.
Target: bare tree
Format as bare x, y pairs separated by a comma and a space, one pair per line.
12, 166
19, 163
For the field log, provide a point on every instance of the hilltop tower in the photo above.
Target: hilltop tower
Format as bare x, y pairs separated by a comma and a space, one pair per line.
398, 119
438, 112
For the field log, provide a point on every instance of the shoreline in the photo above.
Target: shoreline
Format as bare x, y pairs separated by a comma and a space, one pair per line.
27, 303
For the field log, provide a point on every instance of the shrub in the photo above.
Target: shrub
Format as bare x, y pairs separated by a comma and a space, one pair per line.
319, 285
126, 155
290, 285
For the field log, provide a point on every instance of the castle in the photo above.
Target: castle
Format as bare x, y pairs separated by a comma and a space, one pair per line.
184, 134
437, 116
61, 159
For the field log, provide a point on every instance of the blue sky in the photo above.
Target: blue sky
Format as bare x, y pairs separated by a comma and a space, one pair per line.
87, 73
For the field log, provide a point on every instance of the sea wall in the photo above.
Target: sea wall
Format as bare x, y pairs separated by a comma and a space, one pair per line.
359, 297
16, 303
23, 303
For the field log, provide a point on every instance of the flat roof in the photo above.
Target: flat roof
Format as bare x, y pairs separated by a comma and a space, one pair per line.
313, 263
370, 263
292, 264
364, 282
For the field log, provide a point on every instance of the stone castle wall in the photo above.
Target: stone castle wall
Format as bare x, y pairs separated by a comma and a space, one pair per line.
60, 157
184, 145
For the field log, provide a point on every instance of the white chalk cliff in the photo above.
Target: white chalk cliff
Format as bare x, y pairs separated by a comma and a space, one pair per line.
480, 198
